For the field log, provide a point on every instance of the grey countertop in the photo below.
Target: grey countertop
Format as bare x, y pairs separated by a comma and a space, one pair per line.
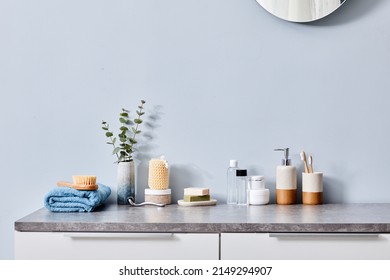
342, 218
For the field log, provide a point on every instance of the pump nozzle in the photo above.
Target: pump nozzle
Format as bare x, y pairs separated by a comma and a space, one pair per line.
285, 160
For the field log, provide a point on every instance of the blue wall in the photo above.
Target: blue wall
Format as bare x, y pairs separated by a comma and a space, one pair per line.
223, 79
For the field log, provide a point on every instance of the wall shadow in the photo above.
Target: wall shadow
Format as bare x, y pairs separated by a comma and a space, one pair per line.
334, 190
144, 150
186, 176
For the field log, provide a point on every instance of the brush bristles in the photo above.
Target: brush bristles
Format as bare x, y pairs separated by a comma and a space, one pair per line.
84, 180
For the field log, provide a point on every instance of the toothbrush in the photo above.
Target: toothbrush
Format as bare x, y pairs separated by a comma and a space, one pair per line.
303, 157
311, 164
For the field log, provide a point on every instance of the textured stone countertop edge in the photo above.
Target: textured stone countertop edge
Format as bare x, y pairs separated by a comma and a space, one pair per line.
336, 218
204, 228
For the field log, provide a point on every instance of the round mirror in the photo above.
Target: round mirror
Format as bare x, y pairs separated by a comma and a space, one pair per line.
300, 10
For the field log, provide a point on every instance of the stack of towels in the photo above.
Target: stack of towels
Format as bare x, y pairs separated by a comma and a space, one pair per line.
66, 199
196, 194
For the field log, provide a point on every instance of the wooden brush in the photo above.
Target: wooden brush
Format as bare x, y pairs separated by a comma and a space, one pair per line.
81, 182
303, 157
310, 164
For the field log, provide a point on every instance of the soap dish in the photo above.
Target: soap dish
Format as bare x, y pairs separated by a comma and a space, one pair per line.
210, 202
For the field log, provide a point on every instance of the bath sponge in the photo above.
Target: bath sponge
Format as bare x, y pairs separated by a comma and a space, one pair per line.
158, 174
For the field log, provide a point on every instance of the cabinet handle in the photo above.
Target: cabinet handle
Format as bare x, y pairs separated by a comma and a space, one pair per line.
346, 235
120, 235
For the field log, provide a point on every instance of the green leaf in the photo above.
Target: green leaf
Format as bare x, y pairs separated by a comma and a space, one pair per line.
105, 128
143, 101
116, 150
109, 134
124, 114
135, 131
123, 128
114, 140
122, 120
122, 139
138, 121
132, 141
109, 143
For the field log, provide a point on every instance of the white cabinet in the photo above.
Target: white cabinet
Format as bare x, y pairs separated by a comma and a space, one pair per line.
261, 246
141, 246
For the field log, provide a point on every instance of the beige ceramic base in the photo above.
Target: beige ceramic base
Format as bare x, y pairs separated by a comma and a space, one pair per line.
163, 199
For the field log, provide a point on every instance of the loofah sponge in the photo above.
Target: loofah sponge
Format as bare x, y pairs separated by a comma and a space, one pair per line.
158, 174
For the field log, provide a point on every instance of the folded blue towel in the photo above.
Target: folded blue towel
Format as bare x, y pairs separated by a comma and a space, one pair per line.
65, 199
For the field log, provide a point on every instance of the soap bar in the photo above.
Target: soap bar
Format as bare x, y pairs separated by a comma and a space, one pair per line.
196, 191
192, 198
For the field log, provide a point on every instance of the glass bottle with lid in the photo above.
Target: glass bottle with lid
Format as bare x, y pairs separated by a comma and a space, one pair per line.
231, 182
242, 186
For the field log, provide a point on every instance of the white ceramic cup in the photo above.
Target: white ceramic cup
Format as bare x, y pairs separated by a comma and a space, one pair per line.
312, 182
312, 188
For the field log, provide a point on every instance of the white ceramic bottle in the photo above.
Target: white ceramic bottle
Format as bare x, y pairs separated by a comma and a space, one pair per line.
286, 181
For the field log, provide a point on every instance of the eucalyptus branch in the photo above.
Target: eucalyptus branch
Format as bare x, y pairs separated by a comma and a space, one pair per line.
124, 151
138, 121
109, 134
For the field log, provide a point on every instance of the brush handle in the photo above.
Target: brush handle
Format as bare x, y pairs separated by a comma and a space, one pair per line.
305, 162
78, 187
65, 184
311, 164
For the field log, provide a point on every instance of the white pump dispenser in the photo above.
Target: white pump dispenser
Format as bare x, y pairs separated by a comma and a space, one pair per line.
286, 181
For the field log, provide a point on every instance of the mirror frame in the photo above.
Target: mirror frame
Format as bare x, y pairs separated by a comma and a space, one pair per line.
300, 10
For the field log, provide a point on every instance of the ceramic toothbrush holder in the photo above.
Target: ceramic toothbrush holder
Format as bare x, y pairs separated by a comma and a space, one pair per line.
312, 188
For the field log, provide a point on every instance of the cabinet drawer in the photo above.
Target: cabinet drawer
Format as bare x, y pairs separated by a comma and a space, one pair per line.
293, 246
159, 246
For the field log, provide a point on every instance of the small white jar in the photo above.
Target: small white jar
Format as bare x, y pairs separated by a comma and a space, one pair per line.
257, 193
256, 182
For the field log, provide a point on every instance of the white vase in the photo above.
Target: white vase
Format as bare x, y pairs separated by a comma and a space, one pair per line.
126, 182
